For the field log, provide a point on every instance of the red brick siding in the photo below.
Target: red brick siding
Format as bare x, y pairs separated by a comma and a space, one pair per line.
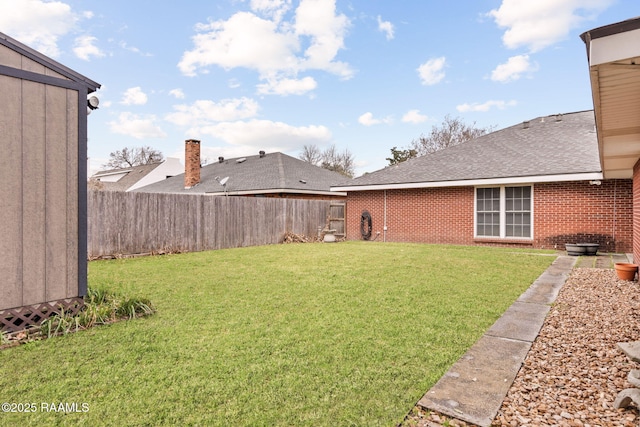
574, 212
636, 212
563, 213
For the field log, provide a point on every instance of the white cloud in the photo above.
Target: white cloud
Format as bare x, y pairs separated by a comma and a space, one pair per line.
484, 107
272, 48
36, 23
85, 48
205, 112
431, 72
265, 134
134, 96
367, 119
137, 126
541, 23
177, 93
513, 69
274, 9
414, 116
287, 86
386, 27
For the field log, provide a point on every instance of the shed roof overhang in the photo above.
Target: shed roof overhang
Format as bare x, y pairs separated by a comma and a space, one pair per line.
613, 52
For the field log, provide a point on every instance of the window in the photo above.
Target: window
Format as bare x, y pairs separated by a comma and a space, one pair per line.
504, 212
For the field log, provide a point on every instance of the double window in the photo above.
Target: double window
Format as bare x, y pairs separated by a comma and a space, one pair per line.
504, 212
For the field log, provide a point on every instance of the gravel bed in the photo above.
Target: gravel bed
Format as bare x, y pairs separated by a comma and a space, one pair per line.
574, 370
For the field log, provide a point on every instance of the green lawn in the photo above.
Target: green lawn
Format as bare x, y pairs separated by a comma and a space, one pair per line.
352, 333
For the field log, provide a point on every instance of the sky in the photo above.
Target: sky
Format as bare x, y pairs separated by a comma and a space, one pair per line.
275, 75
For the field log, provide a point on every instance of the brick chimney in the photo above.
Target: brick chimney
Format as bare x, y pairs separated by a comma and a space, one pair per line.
191, 163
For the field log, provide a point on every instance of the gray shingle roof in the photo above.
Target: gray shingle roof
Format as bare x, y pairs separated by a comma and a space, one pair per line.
134, 174
275, 172
551, 145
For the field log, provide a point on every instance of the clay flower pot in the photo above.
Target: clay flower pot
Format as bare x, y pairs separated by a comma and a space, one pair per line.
626, 271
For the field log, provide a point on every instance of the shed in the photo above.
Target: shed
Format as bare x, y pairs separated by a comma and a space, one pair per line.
43, 185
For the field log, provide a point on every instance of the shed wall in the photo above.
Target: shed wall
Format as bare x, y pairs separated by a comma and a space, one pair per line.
38, 188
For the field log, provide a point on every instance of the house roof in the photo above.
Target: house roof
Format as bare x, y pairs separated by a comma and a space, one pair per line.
47, 62
613, 52
130, 176
550, 148
273, 173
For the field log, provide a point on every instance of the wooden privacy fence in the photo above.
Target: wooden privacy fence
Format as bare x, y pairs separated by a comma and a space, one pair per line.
131, 223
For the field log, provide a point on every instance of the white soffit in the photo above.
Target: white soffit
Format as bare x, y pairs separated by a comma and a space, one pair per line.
615, 47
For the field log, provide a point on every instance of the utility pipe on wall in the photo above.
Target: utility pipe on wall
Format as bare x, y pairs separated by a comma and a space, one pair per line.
384, 226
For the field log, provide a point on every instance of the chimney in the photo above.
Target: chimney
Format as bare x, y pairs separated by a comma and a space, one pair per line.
191, 163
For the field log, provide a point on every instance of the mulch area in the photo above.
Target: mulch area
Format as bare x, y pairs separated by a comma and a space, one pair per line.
574, 370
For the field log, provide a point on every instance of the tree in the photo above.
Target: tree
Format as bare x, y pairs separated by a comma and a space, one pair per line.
452, 131
330, 159
311, 154
399, 156
129, 157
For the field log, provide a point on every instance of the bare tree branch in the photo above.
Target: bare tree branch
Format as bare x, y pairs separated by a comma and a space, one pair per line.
452, 131
129, 157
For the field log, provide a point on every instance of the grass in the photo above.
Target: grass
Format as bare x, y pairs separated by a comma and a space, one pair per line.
286, 335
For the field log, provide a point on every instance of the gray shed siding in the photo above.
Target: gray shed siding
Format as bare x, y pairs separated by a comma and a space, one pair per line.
42, 206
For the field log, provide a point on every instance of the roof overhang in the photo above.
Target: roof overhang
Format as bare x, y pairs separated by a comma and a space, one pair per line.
589, 176
613, 52
274, 191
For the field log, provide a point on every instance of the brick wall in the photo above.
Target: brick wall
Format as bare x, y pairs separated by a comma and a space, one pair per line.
566, 212
191, 163
636, 212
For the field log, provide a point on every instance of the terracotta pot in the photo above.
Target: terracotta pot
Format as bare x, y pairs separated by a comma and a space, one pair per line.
626, 271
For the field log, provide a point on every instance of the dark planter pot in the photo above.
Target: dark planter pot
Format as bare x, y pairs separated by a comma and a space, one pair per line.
591, 249
579, 249
574, 249
626, 271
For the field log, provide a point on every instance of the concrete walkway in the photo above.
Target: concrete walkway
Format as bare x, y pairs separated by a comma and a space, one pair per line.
475, 386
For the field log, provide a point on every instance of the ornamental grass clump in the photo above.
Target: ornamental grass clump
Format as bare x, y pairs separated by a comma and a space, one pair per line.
101, 307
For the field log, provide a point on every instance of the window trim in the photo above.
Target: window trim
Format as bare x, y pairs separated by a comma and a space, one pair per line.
503, 213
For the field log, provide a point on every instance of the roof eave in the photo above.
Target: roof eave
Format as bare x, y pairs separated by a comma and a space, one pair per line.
586, 176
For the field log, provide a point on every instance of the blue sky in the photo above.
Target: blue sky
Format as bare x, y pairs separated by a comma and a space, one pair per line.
366, 75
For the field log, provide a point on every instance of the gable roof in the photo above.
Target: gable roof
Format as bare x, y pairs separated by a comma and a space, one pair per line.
271, 173
61, 70
559, 147
128, 179
130, 176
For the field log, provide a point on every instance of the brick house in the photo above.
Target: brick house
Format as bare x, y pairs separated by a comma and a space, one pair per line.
263, 175
613, 52
536, 184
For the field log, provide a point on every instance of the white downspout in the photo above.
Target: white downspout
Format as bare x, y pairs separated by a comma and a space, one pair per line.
384, 227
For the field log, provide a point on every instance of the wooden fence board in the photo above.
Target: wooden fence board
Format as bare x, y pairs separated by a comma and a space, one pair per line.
131, 223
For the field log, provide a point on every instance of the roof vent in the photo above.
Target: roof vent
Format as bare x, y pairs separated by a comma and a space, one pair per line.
220, 159
242, 160
525, 125
262, 154
303, 181
558, 117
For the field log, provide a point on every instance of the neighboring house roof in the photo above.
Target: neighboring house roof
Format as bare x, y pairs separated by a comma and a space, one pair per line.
559, 147
272, 173
129, 179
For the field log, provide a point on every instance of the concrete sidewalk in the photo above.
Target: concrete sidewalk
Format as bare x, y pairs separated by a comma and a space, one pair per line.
475, 386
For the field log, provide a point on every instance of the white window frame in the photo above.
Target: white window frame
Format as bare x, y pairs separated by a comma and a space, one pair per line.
503, 212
